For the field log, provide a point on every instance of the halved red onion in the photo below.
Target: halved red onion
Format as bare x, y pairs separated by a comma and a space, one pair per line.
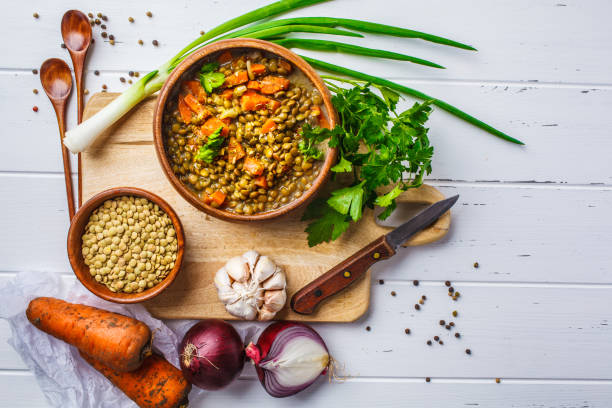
288, 357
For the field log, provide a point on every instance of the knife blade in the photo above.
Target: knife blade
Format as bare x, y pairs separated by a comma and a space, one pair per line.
306, 300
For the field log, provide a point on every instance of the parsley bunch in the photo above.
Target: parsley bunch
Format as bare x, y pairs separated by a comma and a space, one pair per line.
380, 147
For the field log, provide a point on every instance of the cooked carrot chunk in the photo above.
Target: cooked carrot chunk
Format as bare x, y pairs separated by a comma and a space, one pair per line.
272, 84
251, 100
258, 69
235, 151
225, 57
253, 85
184, 110
227, 94
212, 124
268, 126
253, 166
218, 197
195, 88
273, 104
261, 182
194, 105
236, 78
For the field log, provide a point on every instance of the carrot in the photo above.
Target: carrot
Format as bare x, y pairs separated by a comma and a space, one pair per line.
261, 182
194, 105
251, 100
118, 341
212, 124
156, 384
284, 64
258, 69
184, 110
236, 78
253, 166
218, 197
227, 94
272, 84
225, 57
195, 88
253, 85
273, 104
268, 126
235, 151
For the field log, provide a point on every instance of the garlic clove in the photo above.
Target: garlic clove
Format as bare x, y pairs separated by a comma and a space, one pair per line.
222, 279
266, 314
276, 281
264, 269
250, 258
274, 300
242, 309
227, 295
237, 269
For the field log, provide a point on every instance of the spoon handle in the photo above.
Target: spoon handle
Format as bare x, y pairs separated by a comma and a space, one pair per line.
78, 75
60, 113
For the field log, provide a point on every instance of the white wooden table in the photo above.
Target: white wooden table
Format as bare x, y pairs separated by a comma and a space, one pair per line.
536, 313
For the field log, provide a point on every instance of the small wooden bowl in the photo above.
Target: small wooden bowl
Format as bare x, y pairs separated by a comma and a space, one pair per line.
77, 229
175, 79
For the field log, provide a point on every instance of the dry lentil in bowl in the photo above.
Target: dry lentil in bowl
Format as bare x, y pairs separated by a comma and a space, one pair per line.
232, 131
129, 244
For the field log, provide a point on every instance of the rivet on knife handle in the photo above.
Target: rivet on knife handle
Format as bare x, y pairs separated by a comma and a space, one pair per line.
340, 276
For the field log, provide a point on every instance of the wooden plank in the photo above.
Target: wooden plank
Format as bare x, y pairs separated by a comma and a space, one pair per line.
507, 327
547, 119
19, 391
517, 40
544, 223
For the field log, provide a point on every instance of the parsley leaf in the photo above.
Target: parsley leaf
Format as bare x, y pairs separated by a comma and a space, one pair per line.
212, 80
348, 200
211, 148
209, 67
343, 166
328, 226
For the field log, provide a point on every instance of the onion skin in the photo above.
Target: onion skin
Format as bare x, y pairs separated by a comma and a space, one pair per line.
258, 354
211, 354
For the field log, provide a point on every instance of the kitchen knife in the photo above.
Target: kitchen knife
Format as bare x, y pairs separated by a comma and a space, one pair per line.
354, 267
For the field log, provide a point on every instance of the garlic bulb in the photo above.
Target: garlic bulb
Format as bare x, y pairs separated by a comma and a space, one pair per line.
251, 286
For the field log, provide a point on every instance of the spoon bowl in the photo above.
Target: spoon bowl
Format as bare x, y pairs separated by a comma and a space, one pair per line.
76, 31
57, 82
56, 79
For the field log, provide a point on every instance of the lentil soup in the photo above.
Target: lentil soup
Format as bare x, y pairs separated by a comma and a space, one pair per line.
231, 131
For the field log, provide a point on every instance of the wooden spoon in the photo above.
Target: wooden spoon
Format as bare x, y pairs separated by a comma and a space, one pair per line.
76, 32
57, 83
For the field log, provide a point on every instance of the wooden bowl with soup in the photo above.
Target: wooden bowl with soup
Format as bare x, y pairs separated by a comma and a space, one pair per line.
227, 130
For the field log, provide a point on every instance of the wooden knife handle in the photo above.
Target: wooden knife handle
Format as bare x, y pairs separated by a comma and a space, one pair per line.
340, 276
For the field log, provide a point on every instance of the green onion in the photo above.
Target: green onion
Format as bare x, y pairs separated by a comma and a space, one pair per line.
325, 45
277, 31
412, 92
358, 25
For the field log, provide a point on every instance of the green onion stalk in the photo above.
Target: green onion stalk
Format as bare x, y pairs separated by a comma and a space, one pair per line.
79, 138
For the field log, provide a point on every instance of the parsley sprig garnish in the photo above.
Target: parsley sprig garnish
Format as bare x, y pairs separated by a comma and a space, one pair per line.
378, 146
210, 78
209, 150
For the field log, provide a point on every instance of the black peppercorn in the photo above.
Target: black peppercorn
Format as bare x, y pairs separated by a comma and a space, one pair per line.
393, 293
427, 379
417, 307
448, 327
155, 43
457, 335
407, 331
476, 265
436, 338
368, 328
468, 351
429, 342
441, 342
442, 322
415, 282
447, 283
381, 282
96, 72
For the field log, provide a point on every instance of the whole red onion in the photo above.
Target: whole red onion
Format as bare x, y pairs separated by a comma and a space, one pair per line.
211, 354
288, 357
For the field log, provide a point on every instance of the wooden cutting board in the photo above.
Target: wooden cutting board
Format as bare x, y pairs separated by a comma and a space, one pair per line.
125, 156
